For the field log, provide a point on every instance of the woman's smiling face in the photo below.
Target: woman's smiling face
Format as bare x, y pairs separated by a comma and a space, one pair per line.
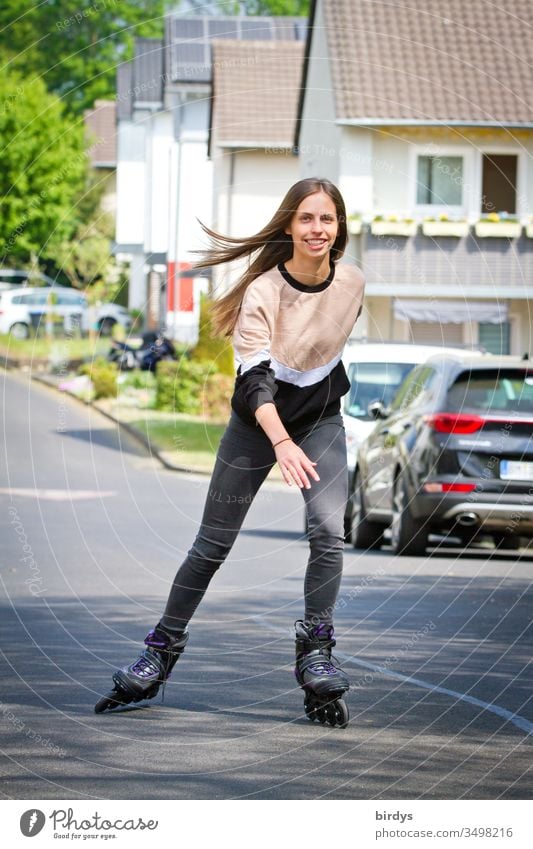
314, 227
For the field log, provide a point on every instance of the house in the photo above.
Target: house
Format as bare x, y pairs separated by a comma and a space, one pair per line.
256, 86
164, 174
421, 111
100, 126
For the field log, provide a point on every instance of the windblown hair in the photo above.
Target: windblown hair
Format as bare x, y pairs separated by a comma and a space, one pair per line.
273, 244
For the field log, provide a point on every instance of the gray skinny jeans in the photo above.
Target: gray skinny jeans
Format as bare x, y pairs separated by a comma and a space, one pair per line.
245, 457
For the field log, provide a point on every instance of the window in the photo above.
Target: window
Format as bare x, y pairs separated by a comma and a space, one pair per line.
373, 382
499, 183
70, 299
412, 389
490, 391
495, 338
440, 180
38, 299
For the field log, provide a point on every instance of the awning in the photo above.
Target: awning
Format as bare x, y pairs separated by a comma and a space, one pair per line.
450, 312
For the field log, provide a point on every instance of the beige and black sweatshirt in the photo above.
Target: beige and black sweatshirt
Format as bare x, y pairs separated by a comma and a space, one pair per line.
288, 343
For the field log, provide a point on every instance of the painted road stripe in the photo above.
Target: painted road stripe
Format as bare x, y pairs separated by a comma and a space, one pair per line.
520, 721
57, 494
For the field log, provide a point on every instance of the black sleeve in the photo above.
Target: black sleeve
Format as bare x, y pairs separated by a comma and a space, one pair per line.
255, 387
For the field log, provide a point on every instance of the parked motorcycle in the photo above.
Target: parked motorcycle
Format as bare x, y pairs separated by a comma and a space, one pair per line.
154, 348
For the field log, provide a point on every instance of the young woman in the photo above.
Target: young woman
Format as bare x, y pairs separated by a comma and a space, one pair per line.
290, 316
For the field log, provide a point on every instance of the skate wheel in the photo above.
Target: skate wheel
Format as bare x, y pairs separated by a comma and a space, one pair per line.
331, 714
310, 709
112, 700
321, 715
342, 713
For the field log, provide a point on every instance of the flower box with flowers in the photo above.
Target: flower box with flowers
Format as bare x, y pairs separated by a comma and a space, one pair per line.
444, 226
391, 225
355, 224
498, 227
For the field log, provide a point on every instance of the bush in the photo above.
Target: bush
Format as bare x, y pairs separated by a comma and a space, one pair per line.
138, 379
179, 385
214, 349
216, 397
103, 375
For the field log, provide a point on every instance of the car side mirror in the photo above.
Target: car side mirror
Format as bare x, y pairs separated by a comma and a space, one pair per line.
377, 410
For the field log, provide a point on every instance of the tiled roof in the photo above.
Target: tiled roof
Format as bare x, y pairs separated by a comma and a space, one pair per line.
100, 122
142, 78
431, 60
188, 39
256, 86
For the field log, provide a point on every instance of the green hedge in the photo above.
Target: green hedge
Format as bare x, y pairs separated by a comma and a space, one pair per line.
179, 385
195, 388
103, 375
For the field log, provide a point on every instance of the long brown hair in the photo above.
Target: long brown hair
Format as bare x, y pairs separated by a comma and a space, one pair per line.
273, 244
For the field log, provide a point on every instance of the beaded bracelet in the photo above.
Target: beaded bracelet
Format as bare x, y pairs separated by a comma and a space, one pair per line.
287, 439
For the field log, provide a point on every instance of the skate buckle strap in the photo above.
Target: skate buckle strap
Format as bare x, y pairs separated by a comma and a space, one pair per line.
316, 663
156, 640
145, 666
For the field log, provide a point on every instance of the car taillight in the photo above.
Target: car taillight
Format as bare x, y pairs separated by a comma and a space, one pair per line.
454, 422
448, 487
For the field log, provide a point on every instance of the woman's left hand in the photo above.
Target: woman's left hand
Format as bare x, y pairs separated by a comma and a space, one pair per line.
295, 465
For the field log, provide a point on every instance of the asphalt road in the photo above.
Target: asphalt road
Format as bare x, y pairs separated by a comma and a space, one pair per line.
438, 648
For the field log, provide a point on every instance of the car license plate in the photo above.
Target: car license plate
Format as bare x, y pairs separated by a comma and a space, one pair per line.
516, 470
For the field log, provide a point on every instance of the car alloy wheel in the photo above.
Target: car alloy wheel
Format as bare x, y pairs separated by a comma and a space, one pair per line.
20, 330
364, 533
408, 535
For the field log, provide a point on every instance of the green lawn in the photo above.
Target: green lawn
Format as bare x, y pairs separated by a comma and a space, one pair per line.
40, 348
195, 443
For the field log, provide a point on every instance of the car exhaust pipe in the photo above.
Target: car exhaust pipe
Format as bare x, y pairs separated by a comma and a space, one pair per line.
467, 519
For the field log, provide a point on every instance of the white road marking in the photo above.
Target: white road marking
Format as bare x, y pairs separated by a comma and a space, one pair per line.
520, 721
57, 494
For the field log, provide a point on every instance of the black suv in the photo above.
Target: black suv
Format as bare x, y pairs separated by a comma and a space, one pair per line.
453, 453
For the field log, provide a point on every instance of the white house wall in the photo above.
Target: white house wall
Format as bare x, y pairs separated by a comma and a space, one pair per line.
320, 137
357, 167
130, 183
391, 173
195, 186
158, 157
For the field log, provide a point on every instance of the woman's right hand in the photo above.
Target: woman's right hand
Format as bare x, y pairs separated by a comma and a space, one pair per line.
295, 465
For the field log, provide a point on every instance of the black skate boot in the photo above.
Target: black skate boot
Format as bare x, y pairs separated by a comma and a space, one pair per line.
322, 681
143, 678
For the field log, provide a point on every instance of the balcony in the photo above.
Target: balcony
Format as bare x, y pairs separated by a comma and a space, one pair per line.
467, 266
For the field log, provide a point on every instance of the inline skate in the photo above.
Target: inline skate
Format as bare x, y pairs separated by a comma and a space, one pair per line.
322, 681
143, 678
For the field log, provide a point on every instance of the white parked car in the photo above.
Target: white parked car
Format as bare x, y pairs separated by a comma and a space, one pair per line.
375, 371
23, 308
10, 277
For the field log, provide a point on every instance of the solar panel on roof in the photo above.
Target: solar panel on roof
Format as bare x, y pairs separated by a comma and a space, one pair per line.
223, 28
259, 29
187, 28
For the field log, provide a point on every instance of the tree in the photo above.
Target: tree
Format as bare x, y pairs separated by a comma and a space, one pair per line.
44, 170
266, 7
86, 258
76, 45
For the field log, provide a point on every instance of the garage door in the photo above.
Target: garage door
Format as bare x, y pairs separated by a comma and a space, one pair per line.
433, 333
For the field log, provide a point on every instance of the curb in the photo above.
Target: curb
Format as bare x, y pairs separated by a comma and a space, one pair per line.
129, 429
